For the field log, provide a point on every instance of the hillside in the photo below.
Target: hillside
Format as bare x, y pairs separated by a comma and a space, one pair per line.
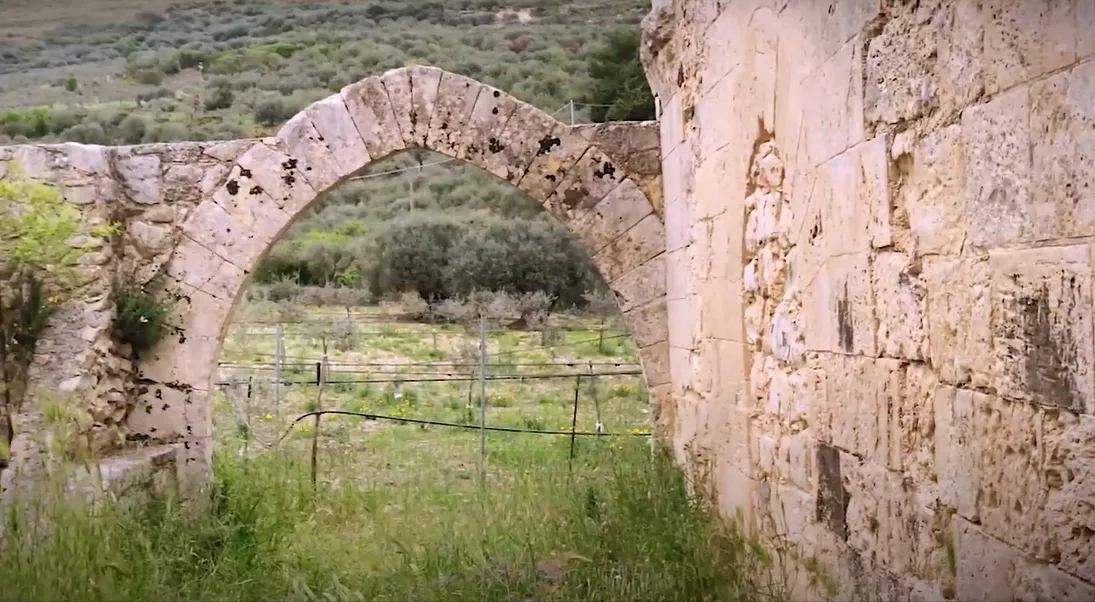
132, 71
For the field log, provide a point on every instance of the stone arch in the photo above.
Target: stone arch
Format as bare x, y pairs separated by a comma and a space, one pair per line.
273, 181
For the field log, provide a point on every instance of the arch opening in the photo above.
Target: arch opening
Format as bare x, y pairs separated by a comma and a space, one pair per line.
275, 180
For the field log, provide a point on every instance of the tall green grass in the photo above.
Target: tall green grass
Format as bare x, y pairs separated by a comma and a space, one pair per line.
621, 526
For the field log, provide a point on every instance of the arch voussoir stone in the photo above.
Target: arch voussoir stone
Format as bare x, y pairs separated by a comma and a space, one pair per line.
373, 116
456, 98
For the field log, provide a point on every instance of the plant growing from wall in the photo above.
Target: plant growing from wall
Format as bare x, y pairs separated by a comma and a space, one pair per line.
140, 316
36, 265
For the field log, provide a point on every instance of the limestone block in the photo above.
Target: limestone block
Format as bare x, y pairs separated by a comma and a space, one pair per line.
671, 123
900, 298
678, 175
839, 307
663, 411
982, 564
374, 117
456, 98
677, 274
225, 282
332, 119
633, 248
933, 195
266, 170
1085, 24
679, 219
306, 146
886, 526
492, 111
425, 82
195, 467
198, 411
88, 158
591, 179
1014, 53
1042, 326
397, 82
1062, 126
926, 58
1009, 448
647, 324
955, 449
553, 161
509, 153
833, 121
996, 142
735, 491
617, 213
140, 174
655, 361
724, 234
959, 319
683, 375
721, 310
641, 285
859, 216
240, 229
680, 316
213, 176
718, 124
864, 397
158, 412
1069, 446
192, 263
912, 439
227, 151
149, 239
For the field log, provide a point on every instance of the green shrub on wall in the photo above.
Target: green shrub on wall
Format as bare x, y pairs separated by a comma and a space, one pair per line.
37, 258
140, 317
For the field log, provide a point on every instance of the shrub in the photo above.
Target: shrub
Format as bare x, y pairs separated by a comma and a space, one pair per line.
71, 84
140, 317
86, 133
132, 129
272, 112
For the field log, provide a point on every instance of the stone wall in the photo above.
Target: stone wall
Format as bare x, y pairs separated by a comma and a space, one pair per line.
879, 220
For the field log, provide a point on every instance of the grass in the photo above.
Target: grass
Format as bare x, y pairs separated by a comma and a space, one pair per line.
399, 511
621, 526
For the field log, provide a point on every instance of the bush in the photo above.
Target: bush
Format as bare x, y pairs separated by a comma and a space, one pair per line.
86, 133
272, 112
221, 98
71, 84
140, 318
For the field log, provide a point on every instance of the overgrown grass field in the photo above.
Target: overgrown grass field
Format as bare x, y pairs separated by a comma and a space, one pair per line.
399, 511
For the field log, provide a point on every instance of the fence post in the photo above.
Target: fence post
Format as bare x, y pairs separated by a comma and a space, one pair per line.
247, 415
321, 378
277, 375
574, 421
482, 398
596, 399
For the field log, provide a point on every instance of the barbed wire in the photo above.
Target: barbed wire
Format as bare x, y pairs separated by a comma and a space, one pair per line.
422, 421
490, 377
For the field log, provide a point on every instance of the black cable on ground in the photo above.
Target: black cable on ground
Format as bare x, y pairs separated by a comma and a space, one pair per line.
499, 429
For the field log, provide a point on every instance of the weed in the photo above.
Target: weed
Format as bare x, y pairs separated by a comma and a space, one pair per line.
140, 317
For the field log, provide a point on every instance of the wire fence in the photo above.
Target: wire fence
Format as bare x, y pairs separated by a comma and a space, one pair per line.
249, 385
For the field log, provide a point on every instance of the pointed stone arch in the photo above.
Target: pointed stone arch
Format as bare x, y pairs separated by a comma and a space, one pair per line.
276, 179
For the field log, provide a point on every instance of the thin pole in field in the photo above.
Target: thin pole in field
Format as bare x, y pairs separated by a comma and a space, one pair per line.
483, 398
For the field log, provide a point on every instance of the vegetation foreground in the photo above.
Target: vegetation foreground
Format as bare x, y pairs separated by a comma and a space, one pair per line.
399, 511
619, 527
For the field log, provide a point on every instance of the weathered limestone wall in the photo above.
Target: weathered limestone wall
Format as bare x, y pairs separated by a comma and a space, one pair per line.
879, 220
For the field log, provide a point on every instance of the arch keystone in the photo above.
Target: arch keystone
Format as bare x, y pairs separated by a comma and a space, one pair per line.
456, 98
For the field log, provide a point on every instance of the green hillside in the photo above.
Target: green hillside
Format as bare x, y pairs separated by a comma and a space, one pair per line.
125, 71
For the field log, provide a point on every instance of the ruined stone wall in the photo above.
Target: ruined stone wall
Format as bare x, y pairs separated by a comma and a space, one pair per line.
190, 221
879, 220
